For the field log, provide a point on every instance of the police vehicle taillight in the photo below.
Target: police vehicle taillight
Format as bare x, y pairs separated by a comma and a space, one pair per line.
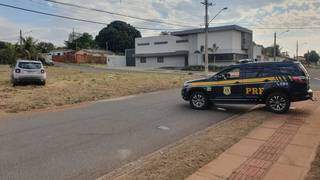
17, 70
299, 79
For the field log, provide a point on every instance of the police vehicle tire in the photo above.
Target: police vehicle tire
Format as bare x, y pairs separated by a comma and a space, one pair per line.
199, 101
278, 103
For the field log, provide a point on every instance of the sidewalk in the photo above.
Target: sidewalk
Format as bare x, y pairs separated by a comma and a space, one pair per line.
281, 148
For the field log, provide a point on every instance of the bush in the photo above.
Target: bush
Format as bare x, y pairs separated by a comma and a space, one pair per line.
8, 55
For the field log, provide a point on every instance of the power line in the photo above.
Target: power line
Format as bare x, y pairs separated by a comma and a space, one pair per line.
143, 28
293, 28
76, 19
117, 14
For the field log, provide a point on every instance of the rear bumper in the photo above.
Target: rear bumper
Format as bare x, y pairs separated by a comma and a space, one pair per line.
304, 97
29, 79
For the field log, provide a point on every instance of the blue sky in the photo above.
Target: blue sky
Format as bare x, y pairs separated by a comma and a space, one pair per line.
253, 14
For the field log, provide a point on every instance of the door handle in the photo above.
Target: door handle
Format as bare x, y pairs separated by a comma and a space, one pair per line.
267, 80
237, 82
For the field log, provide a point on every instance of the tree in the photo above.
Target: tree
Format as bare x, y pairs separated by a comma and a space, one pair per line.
45, 47
8, 54
28, 49
269, 51
82, 41
312, 56
117, 37
2, 45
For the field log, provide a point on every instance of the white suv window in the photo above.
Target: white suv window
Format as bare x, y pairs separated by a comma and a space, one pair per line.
29, 65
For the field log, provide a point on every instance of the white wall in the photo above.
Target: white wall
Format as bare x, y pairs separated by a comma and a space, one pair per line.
194, 59
176, 61
227, 41
172, 46
257, 53
116, 61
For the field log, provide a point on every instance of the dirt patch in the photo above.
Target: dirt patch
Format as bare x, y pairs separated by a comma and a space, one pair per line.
191, 153
67, 86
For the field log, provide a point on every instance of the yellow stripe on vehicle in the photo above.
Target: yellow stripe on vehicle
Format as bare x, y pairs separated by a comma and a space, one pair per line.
234, 82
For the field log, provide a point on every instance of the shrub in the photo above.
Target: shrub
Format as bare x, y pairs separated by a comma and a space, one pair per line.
8, 55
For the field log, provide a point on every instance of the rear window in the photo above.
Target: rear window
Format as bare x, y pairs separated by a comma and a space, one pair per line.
302, 68
292, 70
257, 72
29, 65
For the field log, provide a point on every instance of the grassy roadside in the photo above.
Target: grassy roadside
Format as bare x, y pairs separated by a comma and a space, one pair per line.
94, 65
192, 153
67, 86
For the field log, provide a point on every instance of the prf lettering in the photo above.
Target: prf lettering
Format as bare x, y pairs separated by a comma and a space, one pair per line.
254, 91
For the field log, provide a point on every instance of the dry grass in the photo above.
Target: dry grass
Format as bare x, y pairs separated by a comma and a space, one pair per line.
69, 86
181, 160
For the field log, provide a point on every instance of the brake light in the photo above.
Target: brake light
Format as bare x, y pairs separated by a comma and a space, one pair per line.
299, 79
42, 71
17, 70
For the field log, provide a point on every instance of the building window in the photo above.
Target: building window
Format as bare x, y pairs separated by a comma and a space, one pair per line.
182, 41
163, 42
143, 60
219, 57
160, 59
143, 44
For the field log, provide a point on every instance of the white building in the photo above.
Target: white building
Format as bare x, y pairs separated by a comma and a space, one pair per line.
183, 48
59, 52
257, 53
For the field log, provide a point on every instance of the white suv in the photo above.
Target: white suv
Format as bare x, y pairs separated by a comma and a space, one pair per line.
27, 71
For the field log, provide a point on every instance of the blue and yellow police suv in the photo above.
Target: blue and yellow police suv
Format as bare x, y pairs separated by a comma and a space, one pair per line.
275, 84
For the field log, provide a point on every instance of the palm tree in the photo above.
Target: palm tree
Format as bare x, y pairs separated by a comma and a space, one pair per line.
28, 48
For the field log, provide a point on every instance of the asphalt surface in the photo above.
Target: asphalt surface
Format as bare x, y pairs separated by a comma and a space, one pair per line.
90, 141
87, 142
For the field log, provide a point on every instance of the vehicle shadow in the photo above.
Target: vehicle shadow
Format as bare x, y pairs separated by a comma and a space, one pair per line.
24, 84
226, 108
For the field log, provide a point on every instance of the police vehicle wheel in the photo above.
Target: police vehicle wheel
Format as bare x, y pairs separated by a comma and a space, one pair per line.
278, 103
199, 101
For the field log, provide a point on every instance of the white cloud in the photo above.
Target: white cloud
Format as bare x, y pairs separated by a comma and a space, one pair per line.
250, 13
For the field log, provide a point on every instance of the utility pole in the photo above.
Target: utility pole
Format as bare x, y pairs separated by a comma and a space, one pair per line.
275, 47
20, 38
297, 51
206, 19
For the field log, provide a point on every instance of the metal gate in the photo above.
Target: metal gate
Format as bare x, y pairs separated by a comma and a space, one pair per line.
130, 57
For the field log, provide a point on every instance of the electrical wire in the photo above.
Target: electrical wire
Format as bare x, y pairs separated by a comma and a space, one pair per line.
117, 14
78, 19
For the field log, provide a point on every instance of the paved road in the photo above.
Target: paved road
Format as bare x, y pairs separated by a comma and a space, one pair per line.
86, 142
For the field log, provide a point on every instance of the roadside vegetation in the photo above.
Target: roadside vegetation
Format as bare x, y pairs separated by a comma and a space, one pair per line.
70, 86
